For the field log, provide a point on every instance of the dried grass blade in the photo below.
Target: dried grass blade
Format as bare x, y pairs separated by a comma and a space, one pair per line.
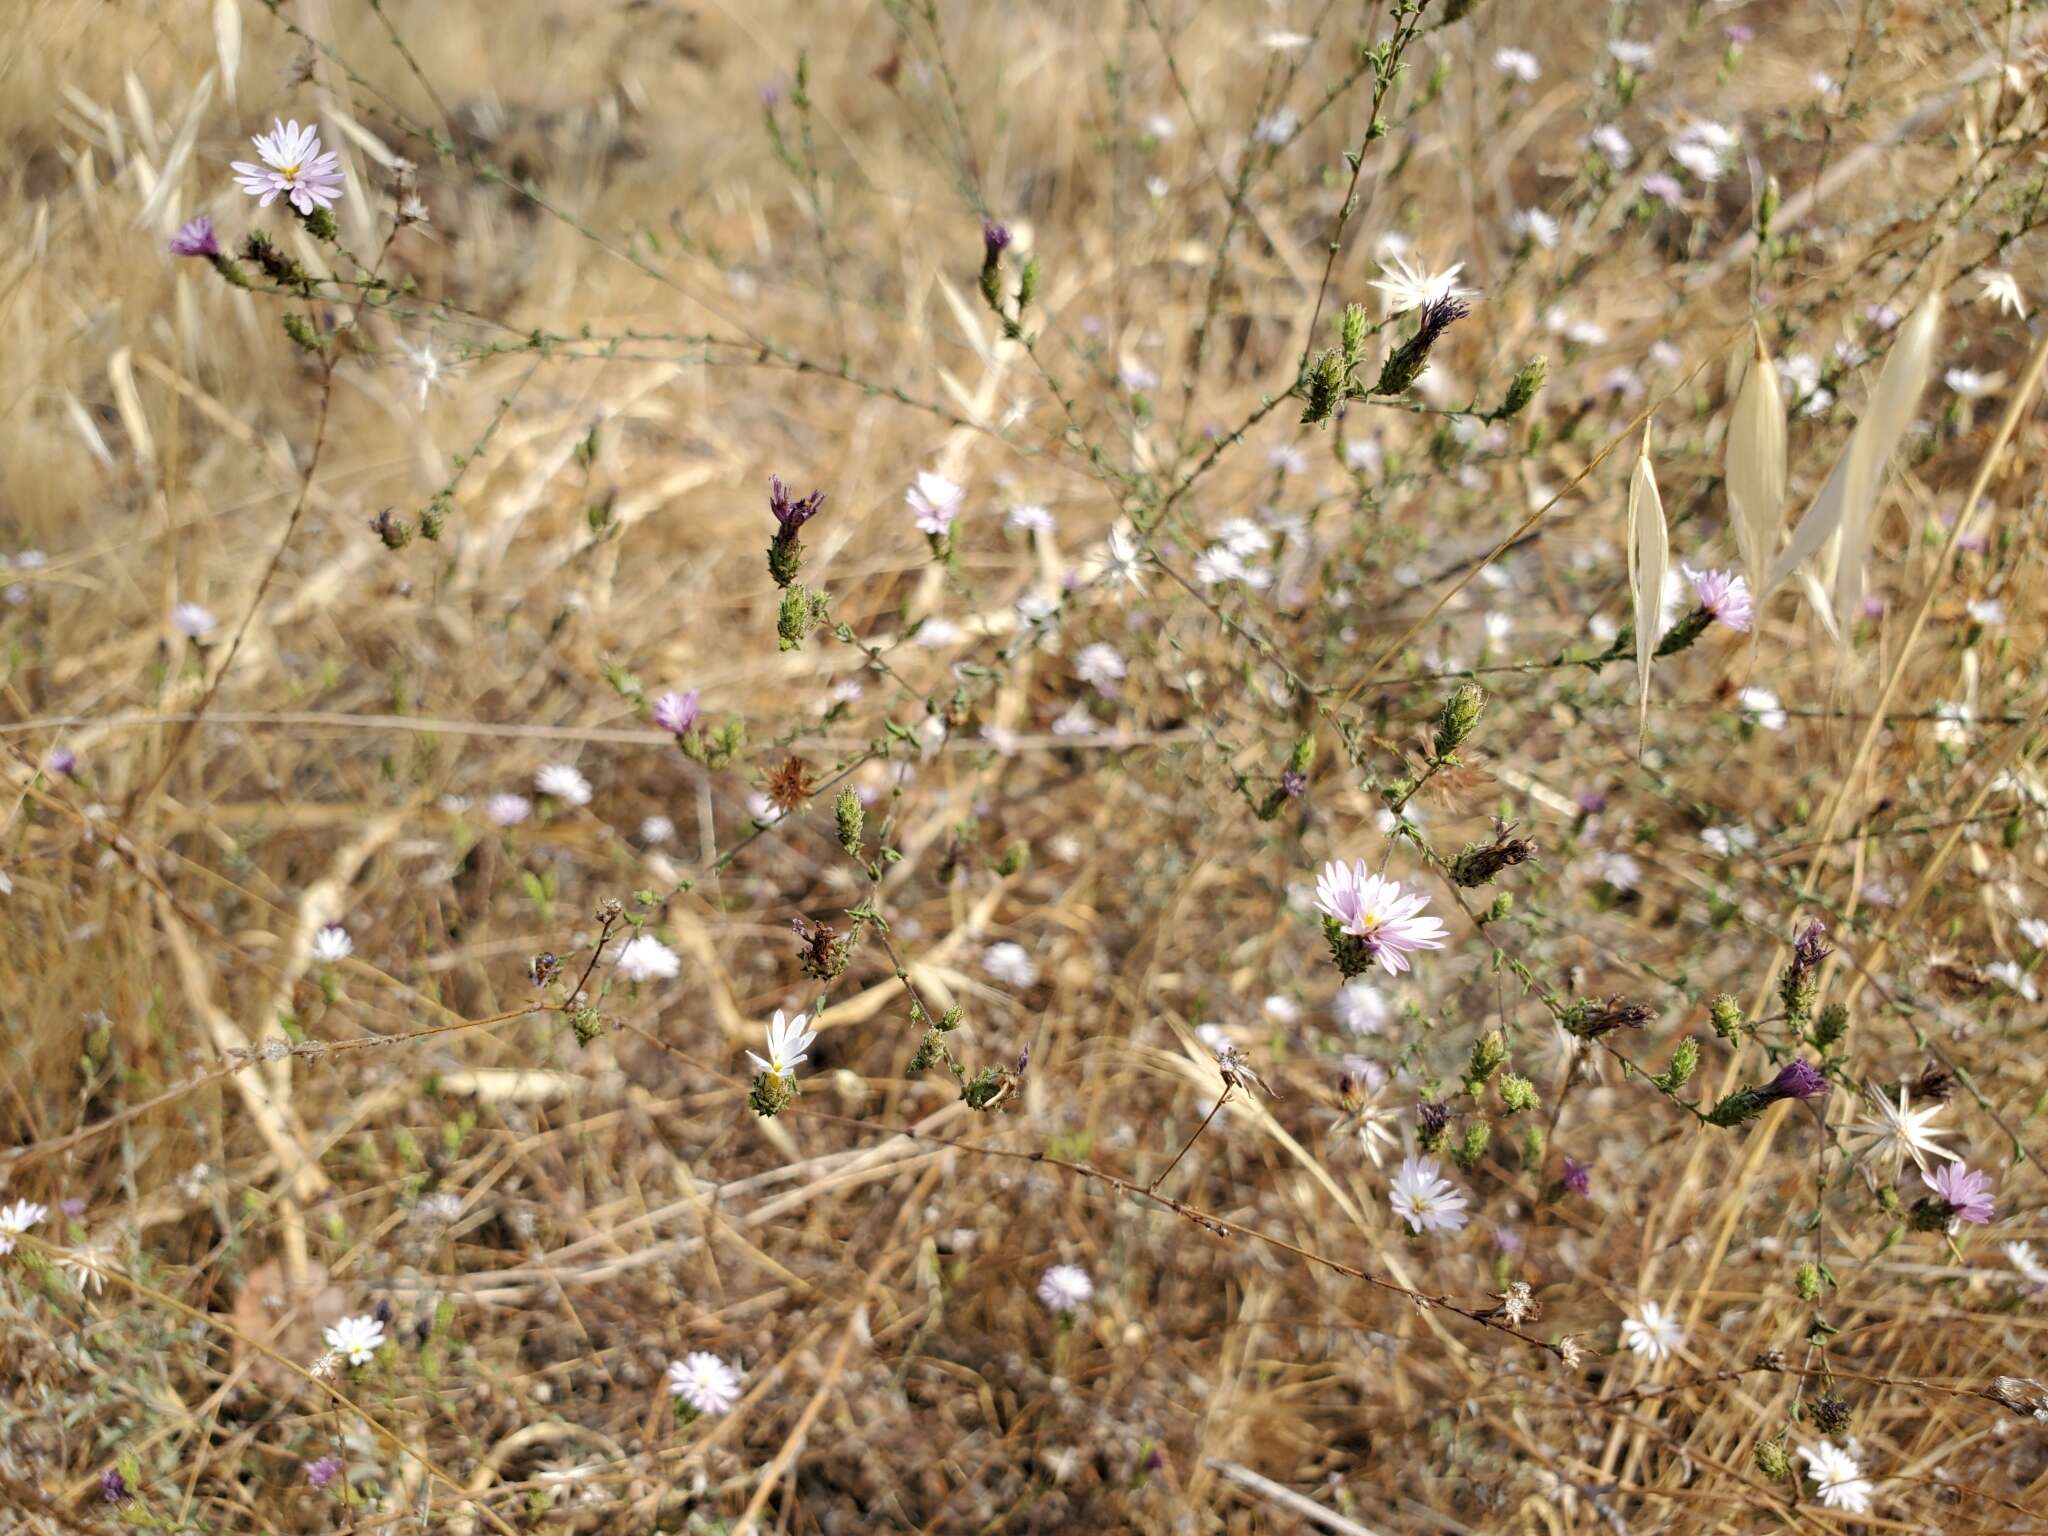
1756, 464
1870, 450
1649, 553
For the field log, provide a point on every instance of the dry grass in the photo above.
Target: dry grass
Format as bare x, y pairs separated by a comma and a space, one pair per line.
550, 1224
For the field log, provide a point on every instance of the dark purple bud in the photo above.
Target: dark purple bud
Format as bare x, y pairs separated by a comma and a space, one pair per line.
1577, 1176
62, 760
382, 1312
792, 515
114, 1487
994, 241
1795, 1080
1434, 1117
1810, 948
1294, 783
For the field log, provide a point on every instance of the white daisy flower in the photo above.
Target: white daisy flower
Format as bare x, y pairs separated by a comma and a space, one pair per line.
705, 1382
1653, 1332
788, 1044
1101, 666
508, 810
356, 1339
2002, 290
1423, 1198
1011, 964
16, 1219
1065, 1288
1361, 1008
193, 621
645, 958
1518, 63
564, 783
332, 944
655, 830
1837, 1477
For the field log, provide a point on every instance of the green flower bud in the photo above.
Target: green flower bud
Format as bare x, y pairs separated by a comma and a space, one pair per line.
1807, 1282
1503, 904
588, 1024
1522, 388
1472, 1146
785, 559
301, 332
1681, 635
1684, 1062
1322, 388
1767, 209
771, 1094
1351, 332
1831, 1025
1726, 1015
320, 224
851, 820
1027, 283
1455, 721
1517, 1094
1772, 1459
1489, 1052
1741, 1105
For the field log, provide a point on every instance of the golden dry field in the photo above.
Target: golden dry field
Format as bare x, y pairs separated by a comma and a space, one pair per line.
1374, 866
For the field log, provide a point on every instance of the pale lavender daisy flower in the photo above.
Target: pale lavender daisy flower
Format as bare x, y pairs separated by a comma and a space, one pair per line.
1425, 1199
1966, 1191
564, 783
1378, 912
196, 239
1653, 1333
16, 1219
1065, 1288
193, 621
705, 1382
936, 501
1724, 594
645, 958
293, 167
676, 713
508, 810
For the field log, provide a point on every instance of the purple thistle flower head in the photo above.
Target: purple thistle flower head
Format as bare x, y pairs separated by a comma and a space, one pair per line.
1738, 34
322, 1473
1577, 1176
676, 712
196, 239
1293, 783
792, 515
61, 760
114, 1487
1795, 1080
1966, 1191
995, 239
1724, 594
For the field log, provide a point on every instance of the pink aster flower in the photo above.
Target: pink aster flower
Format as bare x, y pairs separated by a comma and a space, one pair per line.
1724, 594
936, 501
293, 167
196, 239
676, 712
1967, 1191
1377, 912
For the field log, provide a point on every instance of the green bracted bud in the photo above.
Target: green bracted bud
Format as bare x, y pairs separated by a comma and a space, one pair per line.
1681, 635
1322, 389
1888, 1200
1807, 1281
1455, 721
434, 517
930, 1051
1742, 1105
1522, 388
320, 224
1489, 1054
1535, 1144
1303, 757
1726, 1015
1503, 904
771, 1094
1767, 209
1517, 1093
1027, 283
851, 820
992, 286
802, 611
301, 331
1772, 1459
1472, 1146
1348, 952
1351, 333
588, 1024
1832, 1024
785, 559
230, 272
1684, 1062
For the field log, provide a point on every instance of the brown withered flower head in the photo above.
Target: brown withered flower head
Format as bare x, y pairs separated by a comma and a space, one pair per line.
790, 784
